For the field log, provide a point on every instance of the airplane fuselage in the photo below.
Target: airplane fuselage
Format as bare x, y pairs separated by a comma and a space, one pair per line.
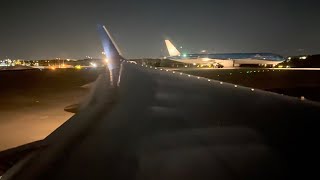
229, 59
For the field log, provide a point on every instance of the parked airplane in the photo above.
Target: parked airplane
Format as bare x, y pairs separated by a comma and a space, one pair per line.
224, 60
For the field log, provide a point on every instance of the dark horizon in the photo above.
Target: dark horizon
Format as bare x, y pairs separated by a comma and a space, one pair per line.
67, 29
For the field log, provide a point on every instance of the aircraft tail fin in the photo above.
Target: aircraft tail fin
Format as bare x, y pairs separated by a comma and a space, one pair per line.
173, 51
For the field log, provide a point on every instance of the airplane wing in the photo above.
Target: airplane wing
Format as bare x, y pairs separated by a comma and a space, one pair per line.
160, 124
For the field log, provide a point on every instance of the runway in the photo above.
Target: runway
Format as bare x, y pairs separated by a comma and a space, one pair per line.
33, 101
31, 110
295, 83
166, 123
26, 118
245, 68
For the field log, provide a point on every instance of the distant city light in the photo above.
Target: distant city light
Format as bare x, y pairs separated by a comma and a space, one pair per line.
93, 65
303, 57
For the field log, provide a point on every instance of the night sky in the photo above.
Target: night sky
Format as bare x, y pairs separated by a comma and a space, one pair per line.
36, 29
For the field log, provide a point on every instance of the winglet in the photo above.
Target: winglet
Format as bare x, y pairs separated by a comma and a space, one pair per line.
112, 53
173, 51
110, 48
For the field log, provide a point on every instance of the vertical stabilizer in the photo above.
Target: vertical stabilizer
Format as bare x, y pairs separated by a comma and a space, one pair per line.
173, 51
